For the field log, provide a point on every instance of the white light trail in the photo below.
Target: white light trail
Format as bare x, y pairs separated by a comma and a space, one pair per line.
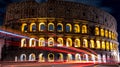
17, 35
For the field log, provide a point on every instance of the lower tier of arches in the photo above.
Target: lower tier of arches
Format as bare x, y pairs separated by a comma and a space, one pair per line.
60, 57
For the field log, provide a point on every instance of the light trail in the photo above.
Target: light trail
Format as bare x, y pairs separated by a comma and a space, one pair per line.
78, 50
8, 33
47, 64
92, 51
21, 36
52, 49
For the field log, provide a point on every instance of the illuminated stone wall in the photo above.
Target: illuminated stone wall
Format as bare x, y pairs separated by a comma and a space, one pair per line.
61, 23
58, 9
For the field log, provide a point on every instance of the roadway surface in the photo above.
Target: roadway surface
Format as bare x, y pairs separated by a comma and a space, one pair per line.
54, 64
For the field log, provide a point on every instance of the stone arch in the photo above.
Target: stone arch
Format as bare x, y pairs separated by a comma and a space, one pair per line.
85, 57
76, 28
60, 57
32, 27
59, 27
32, 42
41, 41
32, 57
68, 27
104, 58
77, 43
24, 27
50, 27
69, 57
69, 42
84, 29
23, 42
50, 57
51, 42
77, 57
99, 58
93, 57
41, 57
60, 41
23, 57
41, 26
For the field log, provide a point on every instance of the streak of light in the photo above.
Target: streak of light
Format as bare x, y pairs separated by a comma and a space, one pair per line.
8, 33
50, 49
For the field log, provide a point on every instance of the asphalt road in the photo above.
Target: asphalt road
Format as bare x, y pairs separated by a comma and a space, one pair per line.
58, 64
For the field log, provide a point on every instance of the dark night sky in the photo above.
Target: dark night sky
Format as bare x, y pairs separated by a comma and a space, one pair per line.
111, 6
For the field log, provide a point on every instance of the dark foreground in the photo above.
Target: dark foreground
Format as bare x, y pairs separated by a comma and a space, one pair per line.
55, 64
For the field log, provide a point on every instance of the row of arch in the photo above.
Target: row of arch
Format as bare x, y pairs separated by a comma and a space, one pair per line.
60, 57
51, 27
68, 28
105, 32
97, 44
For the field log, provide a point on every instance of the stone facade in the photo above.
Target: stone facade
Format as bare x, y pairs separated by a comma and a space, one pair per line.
31, 13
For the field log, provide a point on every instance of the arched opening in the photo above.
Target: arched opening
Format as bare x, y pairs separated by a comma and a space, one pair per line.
42, 42
41, 58
111, 46
59, 27
85, 57
16, 58
99, 58
110, 35
97, 31
23, 42
60, 57
76, 28
50, 57
92, 44
32, 57
69, 42
60, 42
107, 45
41, 26
98, 44
85, 43
50, 27
23, 57
103, 45
50, 42
77, 43
32, 42
77, 57
93, 57
104, 58
24, 27
84, 29
32, 27
108, 58
106, 33
102, 32
68, 28
69, 57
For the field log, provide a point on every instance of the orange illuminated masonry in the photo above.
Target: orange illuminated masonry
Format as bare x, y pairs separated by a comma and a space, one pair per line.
58, 31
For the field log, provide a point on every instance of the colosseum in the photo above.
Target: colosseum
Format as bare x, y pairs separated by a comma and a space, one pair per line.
57, 30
